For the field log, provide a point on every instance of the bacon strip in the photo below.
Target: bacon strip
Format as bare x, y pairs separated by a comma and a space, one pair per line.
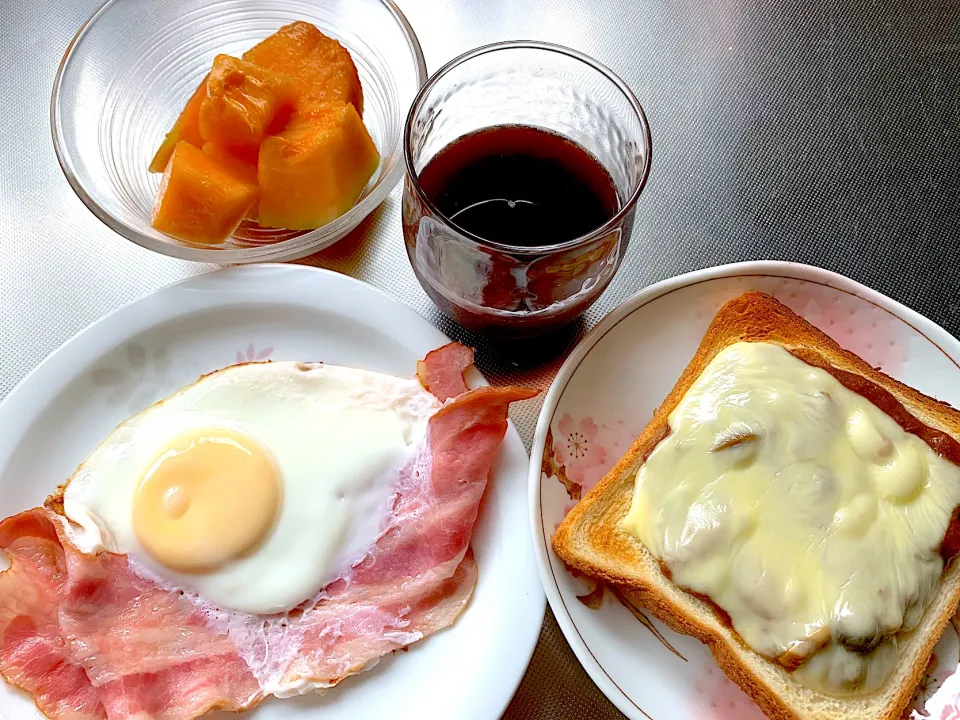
425, 547
127, 647
346, 636
33, 654
89, 638
441, 371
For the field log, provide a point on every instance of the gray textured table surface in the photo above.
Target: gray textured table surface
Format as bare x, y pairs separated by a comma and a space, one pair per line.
826, 133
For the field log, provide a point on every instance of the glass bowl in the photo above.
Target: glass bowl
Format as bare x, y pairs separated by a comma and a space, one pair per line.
133, 65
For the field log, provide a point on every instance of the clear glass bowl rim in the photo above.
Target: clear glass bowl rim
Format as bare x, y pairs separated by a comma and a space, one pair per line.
548, 47
290, 249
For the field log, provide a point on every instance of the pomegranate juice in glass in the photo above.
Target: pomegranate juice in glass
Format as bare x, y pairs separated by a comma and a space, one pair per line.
524, 164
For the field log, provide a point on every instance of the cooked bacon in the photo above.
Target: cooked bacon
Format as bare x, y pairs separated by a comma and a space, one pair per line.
345, 636
397, 587
89, 637
131, 648
441, 371
433, 521
33, 654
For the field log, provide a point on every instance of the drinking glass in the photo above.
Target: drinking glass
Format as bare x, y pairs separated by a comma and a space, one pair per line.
522, 290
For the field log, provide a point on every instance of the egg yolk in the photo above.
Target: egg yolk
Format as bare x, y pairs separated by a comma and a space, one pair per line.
210, 497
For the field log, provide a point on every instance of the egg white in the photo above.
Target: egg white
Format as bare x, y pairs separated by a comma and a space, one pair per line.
338, 437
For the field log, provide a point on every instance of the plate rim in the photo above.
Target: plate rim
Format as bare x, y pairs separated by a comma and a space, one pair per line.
930, 330
184, 283
238, 280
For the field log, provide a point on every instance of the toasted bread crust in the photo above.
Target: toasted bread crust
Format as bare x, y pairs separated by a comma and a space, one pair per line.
590, 538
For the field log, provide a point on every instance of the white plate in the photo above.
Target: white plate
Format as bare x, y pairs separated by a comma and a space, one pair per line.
152, 347
605, 394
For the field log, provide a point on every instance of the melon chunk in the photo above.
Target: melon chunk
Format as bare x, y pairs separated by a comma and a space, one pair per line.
201, 200
242, 164
186, 128
314, 171
243, 103
322, 67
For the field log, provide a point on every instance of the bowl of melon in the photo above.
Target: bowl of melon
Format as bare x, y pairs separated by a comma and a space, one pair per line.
235, 131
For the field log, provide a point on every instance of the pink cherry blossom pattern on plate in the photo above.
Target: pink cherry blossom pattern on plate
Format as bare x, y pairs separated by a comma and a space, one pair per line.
718, 698
581, 451
252, 355
937, 671
939, 691
951, 711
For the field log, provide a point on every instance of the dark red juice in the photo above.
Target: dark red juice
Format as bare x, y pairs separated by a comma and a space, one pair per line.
519, 185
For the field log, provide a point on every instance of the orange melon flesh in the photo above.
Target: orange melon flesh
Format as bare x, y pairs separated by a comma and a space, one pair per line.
243, 103
200, 199
244, 166
314, 171
186, 128
241, 164
322, 67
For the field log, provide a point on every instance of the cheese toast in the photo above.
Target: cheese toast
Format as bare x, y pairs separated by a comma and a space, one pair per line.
593, 540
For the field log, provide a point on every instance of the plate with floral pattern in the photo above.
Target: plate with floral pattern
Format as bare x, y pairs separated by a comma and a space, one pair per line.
152, 347
602, 398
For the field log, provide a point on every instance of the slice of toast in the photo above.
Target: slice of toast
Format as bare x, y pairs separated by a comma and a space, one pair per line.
590, 538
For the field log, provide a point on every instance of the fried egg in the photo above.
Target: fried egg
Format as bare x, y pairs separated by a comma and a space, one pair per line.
257, 485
